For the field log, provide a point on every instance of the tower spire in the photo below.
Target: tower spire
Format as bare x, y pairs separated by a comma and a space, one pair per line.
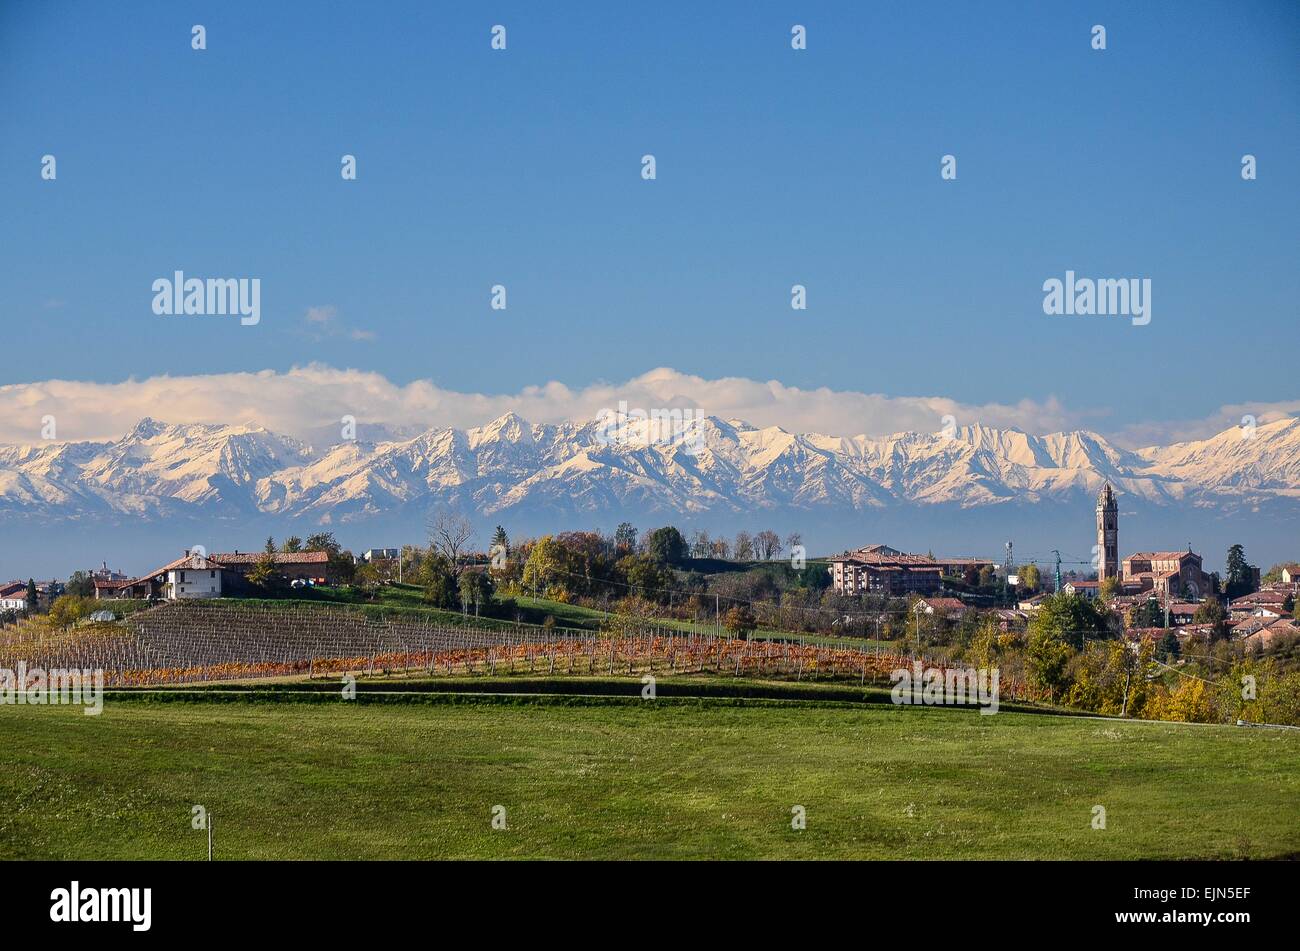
1106, 551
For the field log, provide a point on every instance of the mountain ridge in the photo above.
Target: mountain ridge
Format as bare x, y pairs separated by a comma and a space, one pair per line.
709, 466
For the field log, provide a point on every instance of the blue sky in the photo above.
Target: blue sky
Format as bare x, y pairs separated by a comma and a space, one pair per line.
775, 167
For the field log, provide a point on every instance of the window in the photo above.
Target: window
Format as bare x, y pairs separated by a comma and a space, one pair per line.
212, 574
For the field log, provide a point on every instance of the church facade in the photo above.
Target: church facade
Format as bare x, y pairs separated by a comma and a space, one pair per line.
1165, 573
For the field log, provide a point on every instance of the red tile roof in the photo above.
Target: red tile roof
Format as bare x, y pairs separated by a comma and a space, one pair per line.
279, 557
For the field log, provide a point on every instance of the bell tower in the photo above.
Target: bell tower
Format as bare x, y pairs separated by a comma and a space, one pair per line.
1107, 534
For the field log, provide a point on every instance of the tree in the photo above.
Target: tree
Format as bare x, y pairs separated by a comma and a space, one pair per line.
292, 544
793, 541
544, 564
625, 538
1146, 613
323, 541
647, 576
1029, 578
1071, 618
500, 540
740, 621
1240, 573
80, 584
68, 609
743, 547
1210, 611
986, 576
1168, 647
366, 577
342, 567
1109, 589
701, 544
767, 545
33, 596
474, 588
666, 546
269, 548
440, 588
449, 535
1047, 659
721, 549
262, 574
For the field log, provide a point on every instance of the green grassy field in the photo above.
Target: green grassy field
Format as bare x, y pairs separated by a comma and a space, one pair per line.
639, 779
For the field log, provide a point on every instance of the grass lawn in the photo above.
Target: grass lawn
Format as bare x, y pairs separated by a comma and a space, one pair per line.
693, 779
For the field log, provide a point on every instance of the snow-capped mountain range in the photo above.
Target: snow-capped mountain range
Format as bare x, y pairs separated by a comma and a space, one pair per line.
711, 467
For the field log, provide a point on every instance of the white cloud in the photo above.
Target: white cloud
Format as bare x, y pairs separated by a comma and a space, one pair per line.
309, 401
323, 321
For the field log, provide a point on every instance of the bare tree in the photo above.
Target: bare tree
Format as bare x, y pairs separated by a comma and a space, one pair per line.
767, 545
742, 549
793, 540
450, 534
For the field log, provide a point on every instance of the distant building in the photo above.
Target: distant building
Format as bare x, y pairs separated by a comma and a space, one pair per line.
943, 607
1084, 589
104, 573
1269, 632
1174, 573
879, 569
310, 566
1291, 574
13, 596
1032, 604
380, 554
195, 575
192, 576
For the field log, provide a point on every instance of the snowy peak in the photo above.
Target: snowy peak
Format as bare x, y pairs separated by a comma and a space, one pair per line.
702, 464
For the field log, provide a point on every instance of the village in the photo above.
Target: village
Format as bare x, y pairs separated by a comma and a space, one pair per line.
875, 591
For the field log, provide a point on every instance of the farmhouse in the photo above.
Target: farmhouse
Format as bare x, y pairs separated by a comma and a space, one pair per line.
13, 596
192, 576
943, 607
310, 566
195, 575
